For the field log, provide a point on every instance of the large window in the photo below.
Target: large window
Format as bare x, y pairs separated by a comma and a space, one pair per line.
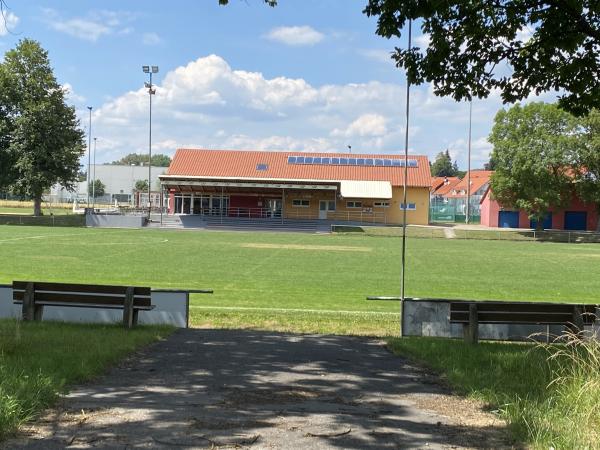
300, 203
353, 204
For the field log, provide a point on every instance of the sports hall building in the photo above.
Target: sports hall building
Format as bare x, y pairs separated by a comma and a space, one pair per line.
337, 187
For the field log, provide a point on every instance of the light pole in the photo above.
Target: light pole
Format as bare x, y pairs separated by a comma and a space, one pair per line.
89, 157
151, 91
94, 178
469, 164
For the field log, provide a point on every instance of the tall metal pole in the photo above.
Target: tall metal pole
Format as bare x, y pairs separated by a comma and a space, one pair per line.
150, 150
94, 178
469, 163
404, 189
89, 177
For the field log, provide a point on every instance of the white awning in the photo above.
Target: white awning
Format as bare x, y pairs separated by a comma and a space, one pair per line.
366, 189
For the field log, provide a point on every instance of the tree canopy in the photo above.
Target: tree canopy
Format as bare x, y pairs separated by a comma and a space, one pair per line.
96, 188
40, 138
141, 185
548, 45
533, 145
587, 160
443, 166
137, 159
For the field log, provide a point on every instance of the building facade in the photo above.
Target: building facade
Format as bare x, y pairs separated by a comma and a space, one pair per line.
296, 185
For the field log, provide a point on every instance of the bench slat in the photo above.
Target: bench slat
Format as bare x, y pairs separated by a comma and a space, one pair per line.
54, 297
514, 307
89, 305
91, 288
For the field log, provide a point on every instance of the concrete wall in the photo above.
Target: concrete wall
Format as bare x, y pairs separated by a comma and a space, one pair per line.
432, 318
114, 221
172, 308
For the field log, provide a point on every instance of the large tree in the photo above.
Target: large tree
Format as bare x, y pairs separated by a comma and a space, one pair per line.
587, 159
42, 140
533, 145
442, 166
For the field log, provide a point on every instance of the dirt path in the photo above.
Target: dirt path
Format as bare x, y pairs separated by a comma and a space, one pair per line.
242, 389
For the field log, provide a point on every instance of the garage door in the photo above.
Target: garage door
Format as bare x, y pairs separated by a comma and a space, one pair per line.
508, 219
546, 224
575, 220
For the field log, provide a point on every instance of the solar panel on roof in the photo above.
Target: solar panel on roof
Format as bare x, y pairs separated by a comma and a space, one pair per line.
344, 161
335, 160
325, 161
308, 160
387, 162
360, 162
379, 162
300, 160
291, 160
366, 162
316, 160
396, 162
351, 161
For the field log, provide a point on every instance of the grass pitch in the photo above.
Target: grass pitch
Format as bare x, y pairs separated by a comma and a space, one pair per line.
269, 273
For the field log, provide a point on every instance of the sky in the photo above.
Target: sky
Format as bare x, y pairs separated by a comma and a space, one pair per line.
307, 75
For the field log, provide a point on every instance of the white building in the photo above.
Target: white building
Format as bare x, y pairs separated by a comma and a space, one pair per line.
119, 182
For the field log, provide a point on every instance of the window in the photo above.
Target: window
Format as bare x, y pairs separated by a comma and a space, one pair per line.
262, 167
411, 206
353, 204
299, 203
381, 204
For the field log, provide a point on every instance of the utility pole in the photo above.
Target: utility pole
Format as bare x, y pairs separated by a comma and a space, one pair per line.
151, 91
89, 177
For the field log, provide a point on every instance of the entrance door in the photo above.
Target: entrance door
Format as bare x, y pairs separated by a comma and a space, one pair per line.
508, 219
575, 220
274, 208
324, 207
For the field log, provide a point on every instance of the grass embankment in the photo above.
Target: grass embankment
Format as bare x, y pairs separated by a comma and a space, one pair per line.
549, 395
38, 361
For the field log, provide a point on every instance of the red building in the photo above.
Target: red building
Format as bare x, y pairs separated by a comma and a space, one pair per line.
577, 216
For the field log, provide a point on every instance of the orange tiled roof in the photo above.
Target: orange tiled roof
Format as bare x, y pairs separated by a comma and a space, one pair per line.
478, 179
243, 165
439, 188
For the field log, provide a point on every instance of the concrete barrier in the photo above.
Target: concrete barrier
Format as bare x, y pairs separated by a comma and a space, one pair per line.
114, 221
172, 308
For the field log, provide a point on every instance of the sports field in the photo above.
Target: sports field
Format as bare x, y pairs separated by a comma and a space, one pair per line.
261, 274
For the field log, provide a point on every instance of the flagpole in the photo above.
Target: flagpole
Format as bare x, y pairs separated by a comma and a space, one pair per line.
404, 189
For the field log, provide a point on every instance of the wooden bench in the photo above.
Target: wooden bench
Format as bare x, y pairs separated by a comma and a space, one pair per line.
34, 296
471, 313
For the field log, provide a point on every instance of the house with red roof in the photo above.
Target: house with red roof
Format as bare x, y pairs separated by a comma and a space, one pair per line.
449, 199
298, 185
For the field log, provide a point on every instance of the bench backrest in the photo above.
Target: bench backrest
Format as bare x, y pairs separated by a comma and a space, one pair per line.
92, 294
522, 312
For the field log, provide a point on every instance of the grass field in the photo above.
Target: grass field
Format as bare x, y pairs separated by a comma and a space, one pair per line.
38, 361
275, 271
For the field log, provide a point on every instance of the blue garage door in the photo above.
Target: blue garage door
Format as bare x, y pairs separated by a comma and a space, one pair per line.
575, 220
508, 219
546, 224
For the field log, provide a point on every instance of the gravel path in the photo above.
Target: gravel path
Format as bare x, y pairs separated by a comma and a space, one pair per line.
251, 389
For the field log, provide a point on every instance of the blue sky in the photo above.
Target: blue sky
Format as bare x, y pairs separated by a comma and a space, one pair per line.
306, 75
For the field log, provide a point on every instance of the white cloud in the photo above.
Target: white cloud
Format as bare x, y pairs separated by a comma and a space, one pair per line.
92, 27
151, 39
206, 103
297, 36
365, 125
71, 95
8, 23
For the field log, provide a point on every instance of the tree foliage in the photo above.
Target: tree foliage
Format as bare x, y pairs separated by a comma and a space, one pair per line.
533, 145
443, 166
40, 138
96, 188
547, 45
137, 159
141, 185
587, 160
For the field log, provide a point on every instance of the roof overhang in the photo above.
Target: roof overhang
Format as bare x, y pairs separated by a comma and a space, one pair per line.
366, 189
178, 181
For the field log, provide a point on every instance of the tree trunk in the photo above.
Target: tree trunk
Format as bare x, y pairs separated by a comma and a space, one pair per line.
37, 206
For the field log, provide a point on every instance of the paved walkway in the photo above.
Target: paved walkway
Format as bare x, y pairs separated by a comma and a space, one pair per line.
250, 389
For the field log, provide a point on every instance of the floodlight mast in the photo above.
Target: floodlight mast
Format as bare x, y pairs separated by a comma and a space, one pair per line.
88, 177
404, 188
151, 91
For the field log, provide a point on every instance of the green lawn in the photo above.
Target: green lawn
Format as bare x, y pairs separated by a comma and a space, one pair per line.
29, 211
38, 361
